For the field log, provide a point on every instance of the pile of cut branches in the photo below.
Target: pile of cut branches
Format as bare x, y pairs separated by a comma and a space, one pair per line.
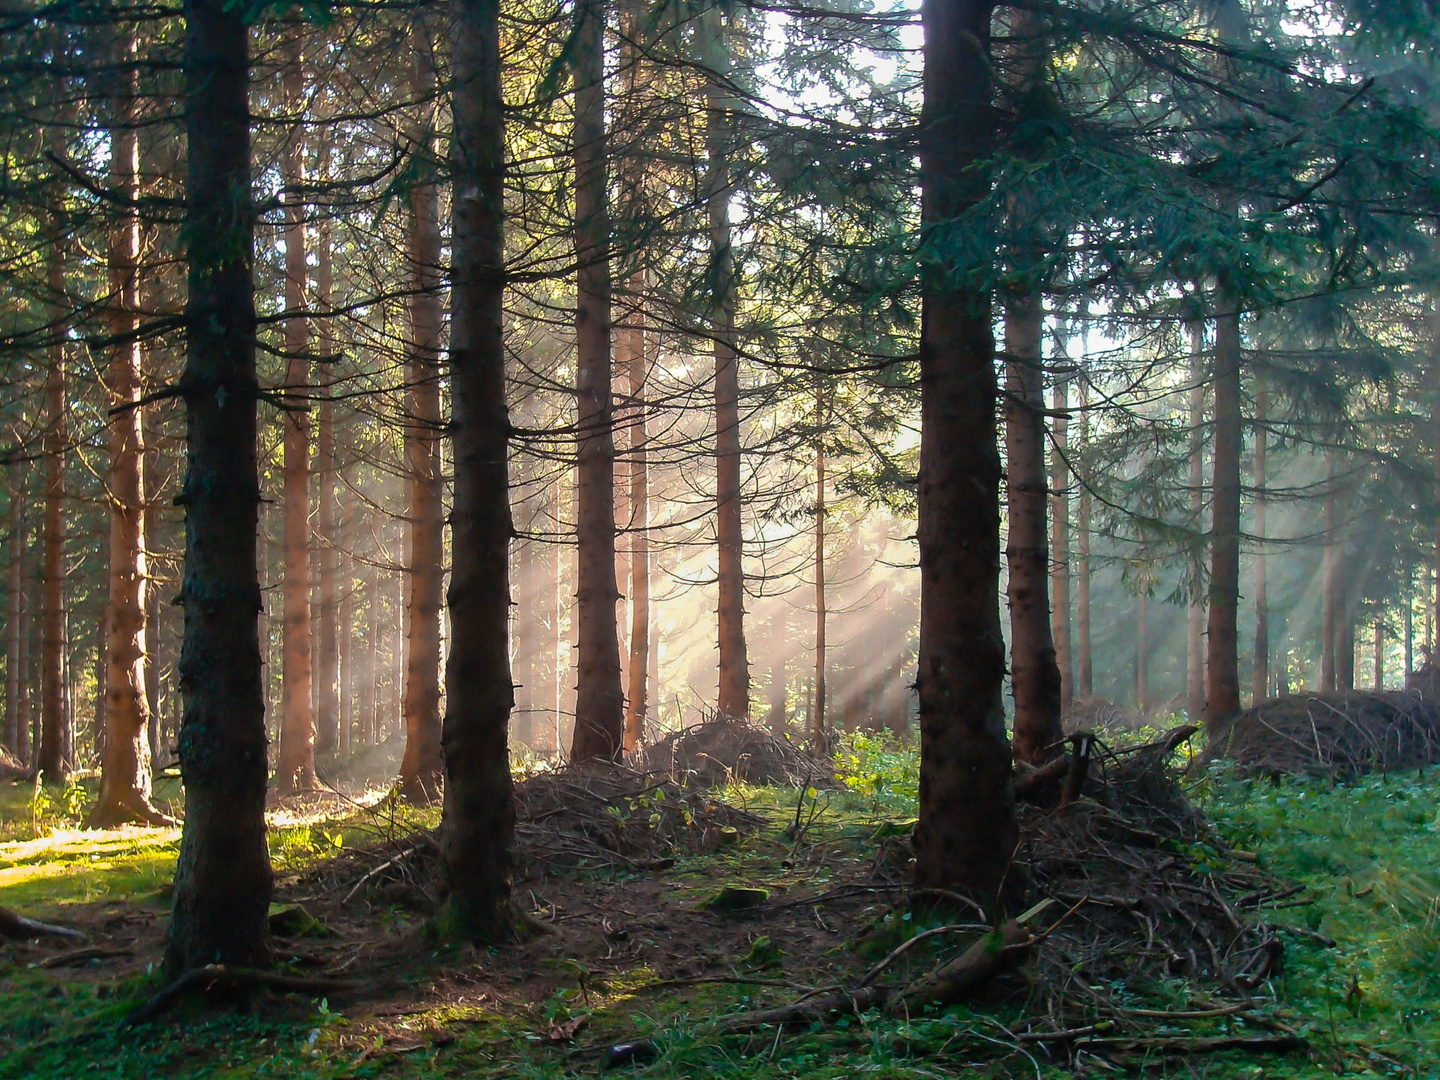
721, 750
1342, 734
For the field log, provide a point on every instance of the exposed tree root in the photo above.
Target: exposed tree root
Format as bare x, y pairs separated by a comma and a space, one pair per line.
18, 928
219, 977
135, 810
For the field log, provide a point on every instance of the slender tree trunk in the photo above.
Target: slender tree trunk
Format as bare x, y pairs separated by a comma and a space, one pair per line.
370, 703
525, 626
966, 833
1034, 673
421, 769
599, 701
734, 686
327, 556
222, 878
1379, 654
295, 770
1260, 679
1222, 675
477, 828
54, 718
817, 718
1409, 638
14, 586
633, 351
1345, 639
1142, 654
1195, 611
779, 646
125, 757
1329, 583
1083, 655
344, 623
1060, 541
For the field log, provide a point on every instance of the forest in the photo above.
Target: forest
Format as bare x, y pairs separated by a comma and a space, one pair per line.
769, 538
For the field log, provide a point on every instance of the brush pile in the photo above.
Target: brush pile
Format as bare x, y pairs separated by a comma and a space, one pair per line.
1154, 897
1097, 714
592, 815
722, 750
11, 769
1342, 734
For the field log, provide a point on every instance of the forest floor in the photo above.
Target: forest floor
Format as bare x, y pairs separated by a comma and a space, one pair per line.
639, 954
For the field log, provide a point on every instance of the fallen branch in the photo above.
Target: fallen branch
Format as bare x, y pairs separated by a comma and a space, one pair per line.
218, 976
1259, 1044
969, 971
18, 928
77, 957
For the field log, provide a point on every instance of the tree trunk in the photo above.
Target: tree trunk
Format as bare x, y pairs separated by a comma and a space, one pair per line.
1409, 638
1329, 580
370, 704
1222, 675
327, 556
421, 768
779, 646
734, 686
1345, 639
295, 770
1195, 610
633, 353
1379, 654
54, 718
1083, 655
599, 701
966, 833
1260, 678
817, 718
222, 878
1142, 654
1034, 673
477, 828
14, 587
125, 754
1060, 541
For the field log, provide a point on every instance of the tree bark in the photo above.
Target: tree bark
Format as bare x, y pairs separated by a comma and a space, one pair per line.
125, 752
1379, 654
295, 770
599, 701
52, 760
966, 832
633, 357
421, 768
1222, 676
1195, 610
1142, 654
478, 822
1034, 673
1083, 656
817, 718
1060, 540
222, 878
734, 685
14, 588
1260, 678
1329, 580
327, 555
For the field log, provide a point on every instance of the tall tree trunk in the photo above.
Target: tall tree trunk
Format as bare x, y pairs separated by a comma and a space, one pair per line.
14, 589
1329, 580
1260, 678
295, 770
524, 629
1195, 610
222, 878
125, 756
966, 833
1379, 654
327, 555
779, 646
370, 704
1084, 657
817, 718
1034, 673
1060, 541
734, 686
477, 829
1345, 636
599, 701
421, 768
1222, 675
633, 357
1409, 638
54, 717
1142, 654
